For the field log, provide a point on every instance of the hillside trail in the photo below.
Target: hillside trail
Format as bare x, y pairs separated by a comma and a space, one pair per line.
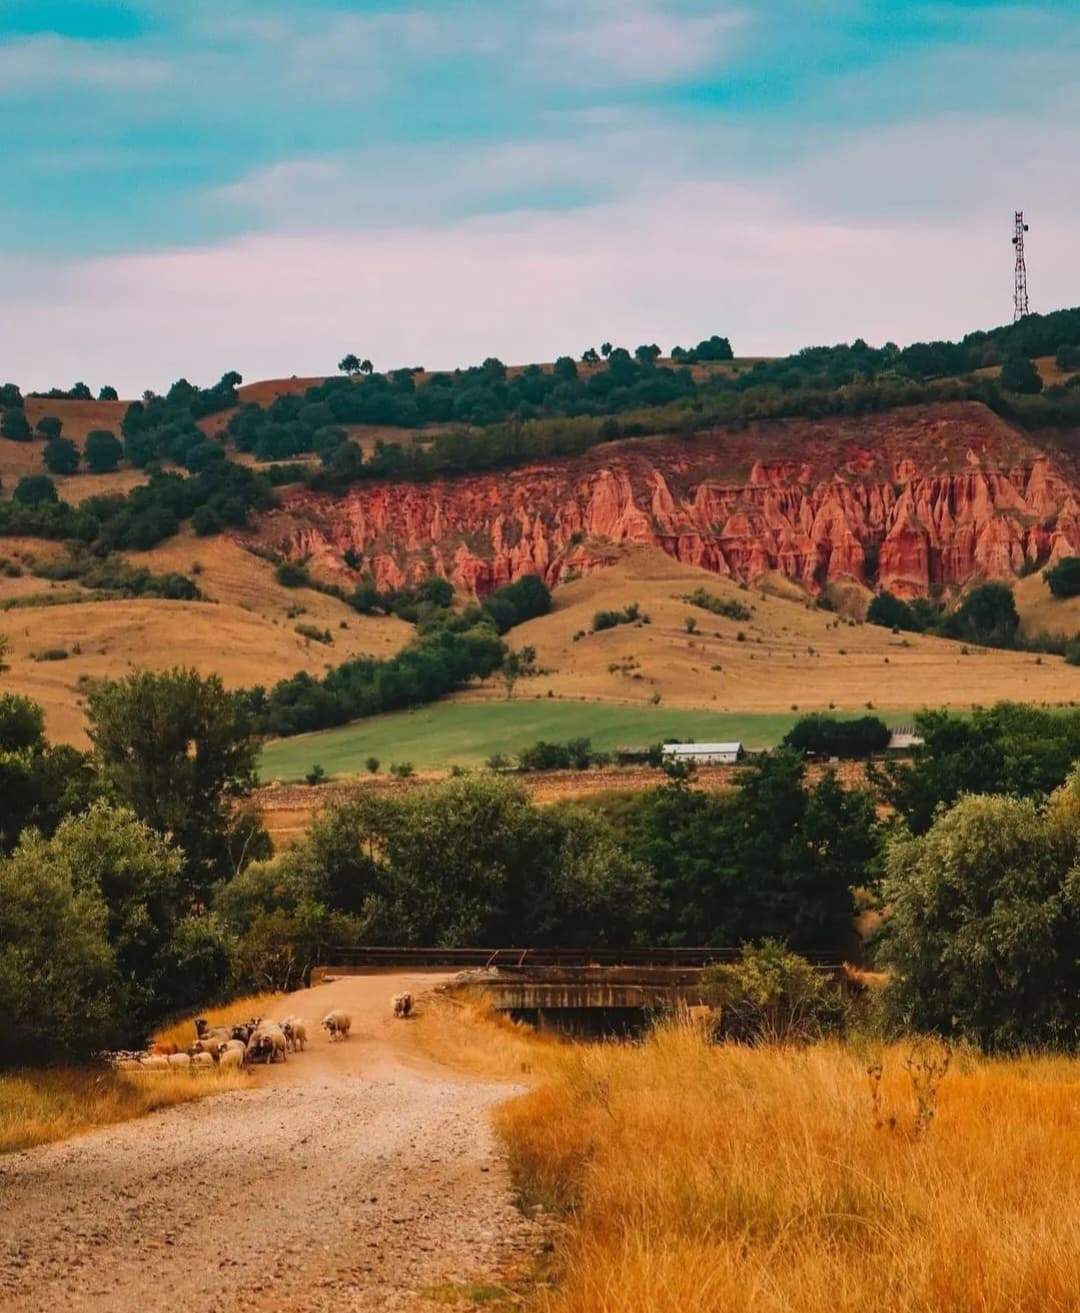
350, 1177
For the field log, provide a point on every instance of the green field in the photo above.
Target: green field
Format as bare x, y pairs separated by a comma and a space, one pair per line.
445, 734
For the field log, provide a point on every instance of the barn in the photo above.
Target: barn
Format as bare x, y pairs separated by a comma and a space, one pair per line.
704, 754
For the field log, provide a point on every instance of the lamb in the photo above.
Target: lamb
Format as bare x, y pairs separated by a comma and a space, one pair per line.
232, 1057
290, 1039
202, 1060
337, 1025
402, 1005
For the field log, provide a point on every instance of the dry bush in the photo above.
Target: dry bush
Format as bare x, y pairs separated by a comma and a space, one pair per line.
182, 1033
719, 1178
38, 1107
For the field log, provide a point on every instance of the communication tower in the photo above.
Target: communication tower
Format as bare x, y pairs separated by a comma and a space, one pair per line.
1020, 292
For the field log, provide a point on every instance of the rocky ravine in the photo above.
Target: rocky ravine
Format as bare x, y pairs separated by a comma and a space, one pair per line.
910, 500
344, 1181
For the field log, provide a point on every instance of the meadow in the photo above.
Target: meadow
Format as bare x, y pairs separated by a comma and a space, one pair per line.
830, 1179
467, 733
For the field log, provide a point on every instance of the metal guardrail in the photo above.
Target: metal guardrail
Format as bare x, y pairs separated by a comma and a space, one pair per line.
353, 956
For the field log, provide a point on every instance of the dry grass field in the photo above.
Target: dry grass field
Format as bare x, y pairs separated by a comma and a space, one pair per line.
243, 631
40, 1107
690, 1176
791, 654
1040, 611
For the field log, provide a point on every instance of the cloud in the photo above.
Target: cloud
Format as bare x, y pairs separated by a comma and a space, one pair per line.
701, 258
48, 63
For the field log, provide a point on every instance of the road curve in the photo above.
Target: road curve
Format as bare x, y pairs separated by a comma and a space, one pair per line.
349, 1178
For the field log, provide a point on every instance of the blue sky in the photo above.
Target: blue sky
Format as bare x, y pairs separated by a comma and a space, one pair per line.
194, 185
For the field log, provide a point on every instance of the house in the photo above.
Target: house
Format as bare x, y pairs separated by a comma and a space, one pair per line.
903, 739
704, 754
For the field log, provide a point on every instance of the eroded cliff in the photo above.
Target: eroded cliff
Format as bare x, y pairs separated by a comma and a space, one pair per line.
912, 500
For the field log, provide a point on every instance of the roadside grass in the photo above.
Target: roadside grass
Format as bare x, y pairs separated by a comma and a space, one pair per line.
182, 1032
712, 1178
445, 734
41, 1106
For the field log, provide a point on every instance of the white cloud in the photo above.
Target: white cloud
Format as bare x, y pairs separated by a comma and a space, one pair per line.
51, 63
670, 268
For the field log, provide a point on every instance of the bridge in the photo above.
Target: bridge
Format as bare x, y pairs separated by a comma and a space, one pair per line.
575, 987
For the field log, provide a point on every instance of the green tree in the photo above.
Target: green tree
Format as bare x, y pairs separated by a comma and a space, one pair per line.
22, 723
102, 451
108, 393
1063, 579
515, 666
349, 364
987, 616
58, 981
14, 425
48, 427
35, 490
179, 750
1018, 374
61, 456
983, 933
773, 996
891, 612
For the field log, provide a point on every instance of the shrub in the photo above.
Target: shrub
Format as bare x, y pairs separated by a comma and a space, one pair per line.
35, 490
826, 736
102, 451
61, 456
1063, 579
772, 996
292, 574
575, 755
730, 608
315, 634
402, 770
1072, 653
206, 521
315, 775
891, 612
372, 765
51, 654
609, 619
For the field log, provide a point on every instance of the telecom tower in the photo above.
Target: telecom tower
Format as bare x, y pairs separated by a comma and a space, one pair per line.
1020, 296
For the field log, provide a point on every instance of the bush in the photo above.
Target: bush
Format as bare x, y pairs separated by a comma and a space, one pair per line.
402, 770
372, 765
315, 634
575, 755
730, 608
102, 451
772, 996
292, 574
609, 619
1072, 653
206, 521
35, 490
891, 612
1063, 579
61, 456
315, 775
1018, 374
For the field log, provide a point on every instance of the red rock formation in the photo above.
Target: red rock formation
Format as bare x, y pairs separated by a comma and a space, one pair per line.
912, 500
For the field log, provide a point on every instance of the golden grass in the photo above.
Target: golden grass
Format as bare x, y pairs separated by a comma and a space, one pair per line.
182, 1032
724, 1178
242, 632
1041, 611
791, 654
39, 1107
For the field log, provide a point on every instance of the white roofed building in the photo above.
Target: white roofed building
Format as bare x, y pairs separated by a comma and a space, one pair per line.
704, 754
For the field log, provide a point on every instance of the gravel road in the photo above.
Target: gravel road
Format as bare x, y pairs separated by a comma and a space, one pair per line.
348, 1178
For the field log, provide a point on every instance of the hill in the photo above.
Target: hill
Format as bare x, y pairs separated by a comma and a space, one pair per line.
245, 630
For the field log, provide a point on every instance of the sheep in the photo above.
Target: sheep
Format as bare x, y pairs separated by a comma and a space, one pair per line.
299, 1026
232, 1058
202, 1060
211, 1047
267, 1043
287, 1031
402, 1005
180, 1060
244, 1031
163, 1050
203, 1030
337, 1024
156, 1062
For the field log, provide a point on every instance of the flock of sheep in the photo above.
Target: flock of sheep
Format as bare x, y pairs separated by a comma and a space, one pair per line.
225, 1046
256, 1040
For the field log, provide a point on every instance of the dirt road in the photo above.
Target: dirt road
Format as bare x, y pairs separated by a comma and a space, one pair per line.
348, 1178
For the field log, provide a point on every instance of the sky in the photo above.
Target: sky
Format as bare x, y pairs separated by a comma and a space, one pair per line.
192, 186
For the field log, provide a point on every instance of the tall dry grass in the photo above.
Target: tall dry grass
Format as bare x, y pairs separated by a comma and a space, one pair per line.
182, 1032
38, 1107
696, 1179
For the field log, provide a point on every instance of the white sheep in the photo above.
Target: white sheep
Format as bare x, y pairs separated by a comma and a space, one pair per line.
156, 1062
402, 1005
202, 1061
337, 1025
180, 1060
232, 1057
297, 1026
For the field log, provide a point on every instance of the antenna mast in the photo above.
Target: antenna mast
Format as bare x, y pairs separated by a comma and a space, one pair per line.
1020, 292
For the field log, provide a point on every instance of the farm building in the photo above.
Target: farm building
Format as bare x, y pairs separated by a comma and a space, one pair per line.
904, 738
704, 754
